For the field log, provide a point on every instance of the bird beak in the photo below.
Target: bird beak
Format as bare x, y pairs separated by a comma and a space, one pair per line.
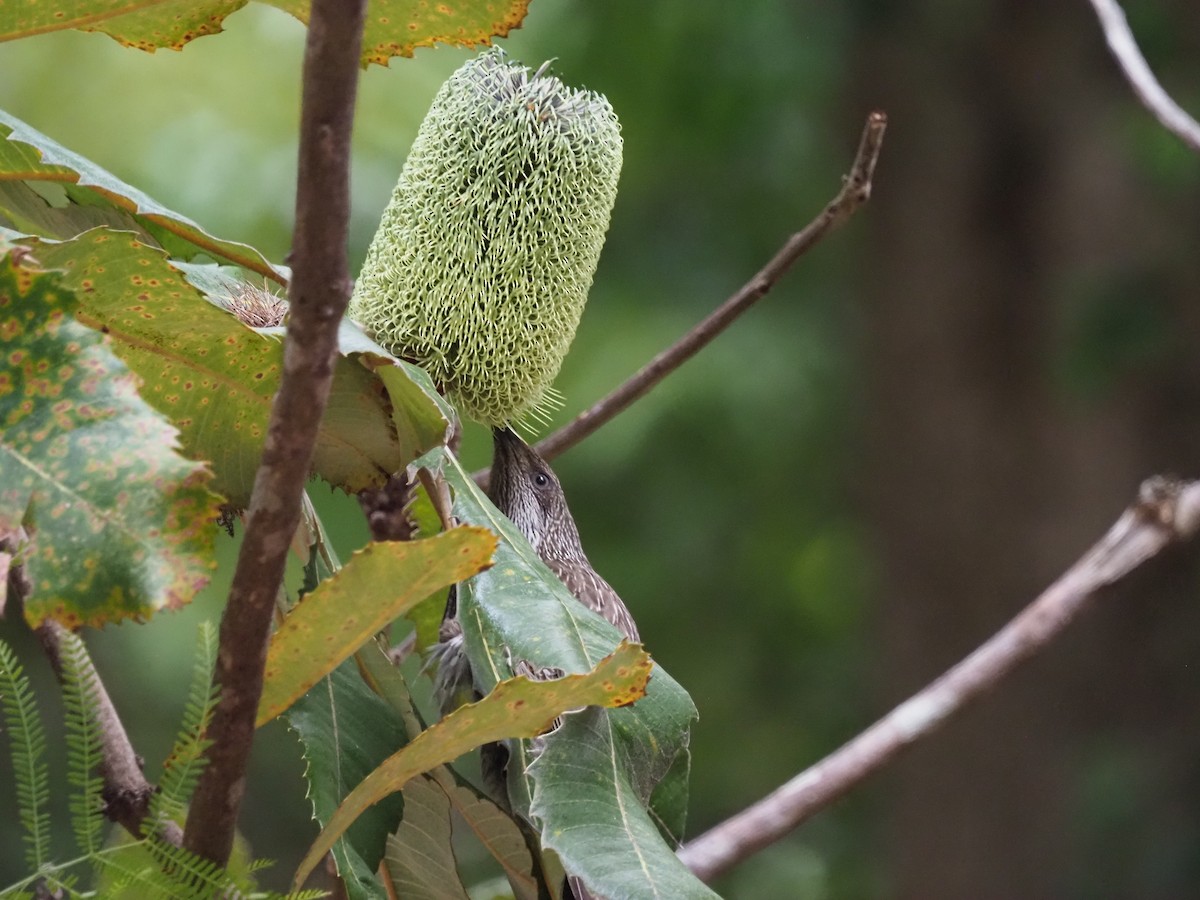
507, 449
505, 443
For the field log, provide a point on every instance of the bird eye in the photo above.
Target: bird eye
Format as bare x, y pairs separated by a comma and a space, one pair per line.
541, 479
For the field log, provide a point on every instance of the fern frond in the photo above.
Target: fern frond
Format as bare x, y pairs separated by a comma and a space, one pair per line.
30, 772
130, 873
192, 876
182, 768
83, 743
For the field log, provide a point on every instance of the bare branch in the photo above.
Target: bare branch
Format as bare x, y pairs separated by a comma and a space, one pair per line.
1165, 513
319, 293
126, 791
1125, 49
856, 190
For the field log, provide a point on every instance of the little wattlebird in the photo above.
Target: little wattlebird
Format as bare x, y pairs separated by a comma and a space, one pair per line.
525, 489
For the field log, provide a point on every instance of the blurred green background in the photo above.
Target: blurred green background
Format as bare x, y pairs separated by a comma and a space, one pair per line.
915, 432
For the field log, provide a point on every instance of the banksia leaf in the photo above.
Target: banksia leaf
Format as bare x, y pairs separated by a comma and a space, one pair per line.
485, 254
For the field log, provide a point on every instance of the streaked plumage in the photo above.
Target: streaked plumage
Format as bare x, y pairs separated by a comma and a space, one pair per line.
525, 489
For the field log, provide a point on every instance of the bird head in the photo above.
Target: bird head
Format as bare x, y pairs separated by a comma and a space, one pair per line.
525, 489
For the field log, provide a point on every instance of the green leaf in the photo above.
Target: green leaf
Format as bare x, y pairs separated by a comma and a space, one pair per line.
669, 802
30, 212
28, 155
83, 742
118, 524
347, 731
213, 376
182, 768
589, 788
393, 27
377, 585
152, 25
516, 708
30, 774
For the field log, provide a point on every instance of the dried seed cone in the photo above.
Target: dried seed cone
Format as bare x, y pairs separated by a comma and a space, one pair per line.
484, 256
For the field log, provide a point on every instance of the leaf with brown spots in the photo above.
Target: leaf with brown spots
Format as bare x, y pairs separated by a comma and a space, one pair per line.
118, 524
149, 25
393, 27
215, 377
517, 708
74, 194
398, 27
377, 585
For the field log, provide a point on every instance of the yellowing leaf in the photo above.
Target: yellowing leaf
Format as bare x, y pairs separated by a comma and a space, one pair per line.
378, 584
393, 27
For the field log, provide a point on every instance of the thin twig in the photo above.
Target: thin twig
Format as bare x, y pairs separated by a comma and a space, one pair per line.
126, 791
1137, 72
1165, 513
319, 293
856, 190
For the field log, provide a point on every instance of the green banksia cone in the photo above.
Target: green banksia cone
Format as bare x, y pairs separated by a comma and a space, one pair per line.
484, 256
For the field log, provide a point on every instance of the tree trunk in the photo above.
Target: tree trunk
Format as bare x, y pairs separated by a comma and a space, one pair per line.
1030, 291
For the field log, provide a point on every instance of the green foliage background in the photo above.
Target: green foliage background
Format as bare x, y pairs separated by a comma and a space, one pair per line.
741, 561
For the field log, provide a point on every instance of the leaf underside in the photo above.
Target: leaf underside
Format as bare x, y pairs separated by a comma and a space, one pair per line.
88, 196
393, 27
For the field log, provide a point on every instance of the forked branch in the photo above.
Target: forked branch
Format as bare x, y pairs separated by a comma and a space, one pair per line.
1165, 513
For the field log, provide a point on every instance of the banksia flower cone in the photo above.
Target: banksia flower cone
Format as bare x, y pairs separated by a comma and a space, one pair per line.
482, 262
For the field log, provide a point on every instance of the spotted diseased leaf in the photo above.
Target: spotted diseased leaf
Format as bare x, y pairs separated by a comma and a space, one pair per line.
393, 27
398, 27
380, 583
214, 377
117, 523
165, 24
90, 196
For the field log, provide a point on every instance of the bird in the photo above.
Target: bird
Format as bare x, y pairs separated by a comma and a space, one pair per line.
526, 490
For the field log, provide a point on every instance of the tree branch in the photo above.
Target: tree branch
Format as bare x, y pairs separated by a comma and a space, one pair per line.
1165, 513
126, 791
1137, 72
319, 293
856, 190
